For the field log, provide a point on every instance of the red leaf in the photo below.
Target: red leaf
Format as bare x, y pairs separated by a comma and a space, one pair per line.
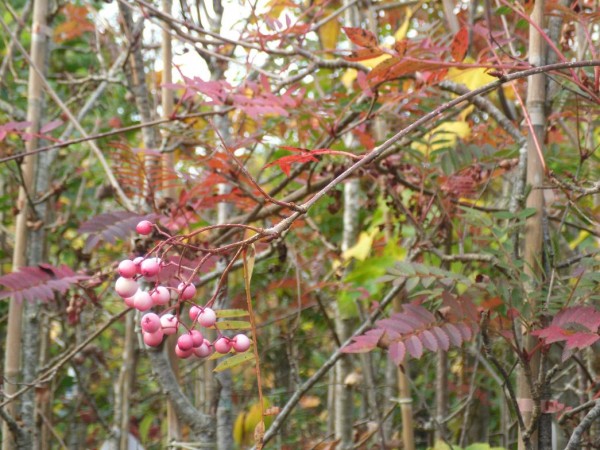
460, 45
285, 163
364, 53
360, 37
453, 333
441, 337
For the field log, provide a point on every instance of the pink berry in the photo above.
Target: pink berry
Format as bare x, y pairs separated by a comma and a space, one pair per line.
241, 343
142, 301
126, 287
153, 339
222, 345
203, 351
186, 290
137, 261
185, 342
169, 324
194, 312
207, 317
151, 323
183, 353
150, 267
160, 295
197, 338
127, 268
129, 301
144, 227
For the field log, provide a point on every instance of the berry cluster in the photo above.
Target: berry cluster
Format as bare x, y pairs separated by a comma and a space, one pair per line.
155, 327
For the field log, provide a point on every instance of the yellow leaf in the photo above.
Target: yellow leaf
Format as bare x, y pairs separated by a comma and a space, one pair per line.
246, 422
401, 32
445, 135
329, 34
361, 249
583, 235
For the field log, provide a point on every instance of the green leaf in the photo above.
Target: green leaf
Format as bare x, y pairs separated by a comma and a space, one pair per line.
144, 428
235, 360
224, 313
502, 11
233, 325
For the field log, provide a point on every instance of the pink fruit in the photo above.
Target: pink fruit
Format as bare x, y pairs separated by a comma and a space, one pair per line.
186, 290
203, 351
241, 343
129, 301
197, 338
183, 353
126, 287
151, 323
222, 345
150, 267
185, 342
207, 317
142, 301
127, 268
153, 339
144, 227
194, 312
160, 295
169, 324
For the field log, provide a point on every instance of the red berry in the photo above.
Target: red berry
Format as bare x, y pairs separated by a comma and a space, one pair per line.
151, 323
142, 301
186, 290
127, 268
169, 324
241, 343
144, 227
126, 287
207, 317
137, 261
153, 339
185, 342
183, 354
160, 295
222, 345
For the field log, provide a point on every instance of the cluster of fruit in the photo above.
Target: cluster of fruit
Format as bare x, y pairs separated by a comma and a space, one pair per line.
154, 326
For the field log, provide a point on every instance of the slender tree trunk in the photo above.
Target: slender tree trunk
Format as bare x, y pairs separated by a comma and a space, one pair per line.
533, 252
343, 395
174, 427
13, 348
224, 380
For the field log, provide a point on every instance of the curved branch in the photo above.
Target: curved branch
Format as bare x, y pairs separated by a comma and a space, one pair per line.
589, 419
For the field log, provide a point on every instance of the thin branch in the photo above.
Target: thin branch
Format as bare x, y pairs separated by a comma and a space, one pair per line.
589, 419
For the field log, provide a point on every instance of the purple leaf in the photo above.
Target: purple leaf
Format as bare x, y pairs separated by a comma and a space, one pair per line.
429, 340
397, 350
414, 347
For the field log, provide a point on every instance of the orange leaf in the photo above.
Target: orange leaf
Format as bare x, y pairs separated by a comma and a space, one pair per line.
360, 37
460, 45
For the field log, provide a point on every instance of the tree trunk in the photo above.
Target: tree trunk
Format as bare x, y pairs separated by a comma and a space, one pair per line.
533, 252
343, 395
13, 348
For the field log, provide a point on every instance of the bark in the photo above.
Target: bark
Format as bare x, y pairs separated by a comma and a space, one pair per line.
13, 348
533, 236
